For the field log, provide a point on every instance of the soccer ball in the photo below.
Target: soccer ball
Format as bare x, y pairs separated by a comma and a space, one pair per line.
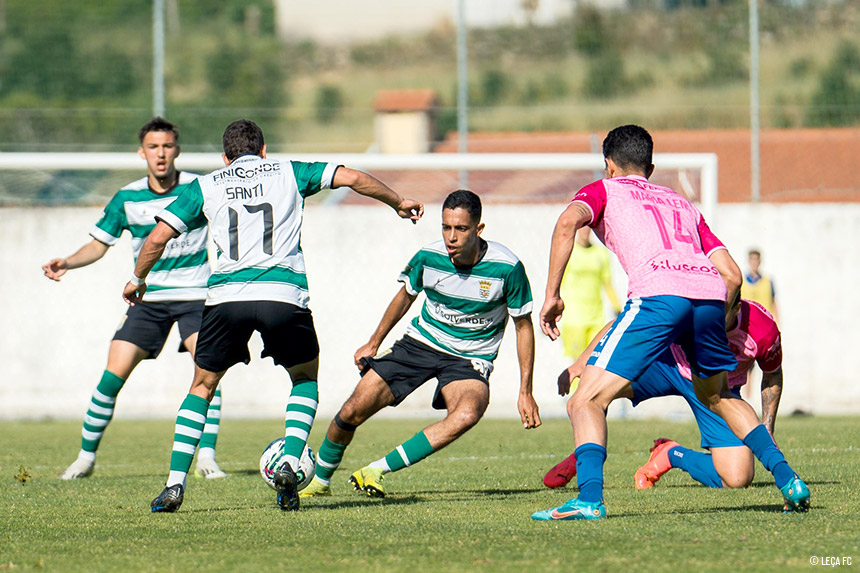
273, 457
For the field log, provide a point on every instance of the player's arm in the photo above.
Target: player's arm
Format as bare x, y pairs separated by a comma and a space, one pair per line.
86, 255
369, 186
771, 392
575, 216
574, 371
397, 308
150, 252
526, 405
729, 271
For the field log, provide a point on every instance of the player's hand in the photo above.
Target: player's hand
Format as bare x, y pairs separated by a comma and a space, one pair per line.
567, 376
529, 413
55, 268
409, 209
133, 293
366, 351
549, 315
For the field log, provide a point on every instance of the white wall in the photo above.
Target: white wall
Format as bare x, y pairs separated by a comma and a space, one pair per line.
55, 336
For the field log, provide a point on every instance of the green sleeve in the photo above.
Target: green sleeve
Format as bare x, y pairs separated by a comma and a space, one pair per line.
114, 221
311, 177
188, 207
518, 291
412, 275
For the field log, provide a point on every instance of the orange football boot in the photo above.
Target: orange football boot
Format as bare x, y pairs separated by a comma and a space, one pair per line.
657, 465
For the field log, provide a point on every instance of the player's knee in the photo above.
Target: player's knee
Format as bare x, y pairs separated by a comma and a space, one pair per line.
736, 475
350, 416
465, 418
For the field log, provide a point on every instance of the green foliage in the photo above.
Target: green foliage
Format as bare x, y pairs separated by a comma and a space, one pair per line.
836, 100
465, 508
328, 103
605, 76
495, 86
591, 36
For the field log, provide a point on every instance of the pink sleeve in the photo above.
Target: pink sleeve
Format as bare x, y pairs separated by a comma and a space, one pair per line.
710, 242
765, 332
594, 197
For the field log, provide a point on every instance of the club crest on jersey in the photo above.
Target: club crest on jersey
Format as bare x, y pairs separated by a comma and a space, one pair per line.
484, 288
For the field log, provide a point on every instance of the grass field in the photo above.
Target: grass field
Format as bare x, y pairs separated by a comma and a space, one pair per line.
465, 508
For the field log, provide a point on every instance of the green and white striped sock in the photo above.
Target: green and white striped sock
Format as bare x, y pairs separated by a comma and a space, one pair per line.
301, 410
189, 428
210, 430
100, 411
409, 452
329, 457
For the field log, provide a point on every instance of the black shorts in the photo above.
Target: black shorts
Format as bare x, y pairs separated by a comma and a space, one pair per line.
147, 324
410, 363
287, 330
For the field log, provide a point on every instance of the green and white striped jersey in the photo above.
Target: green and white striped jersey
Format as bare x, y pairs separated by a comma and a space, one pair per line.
466, 309
183, 270
254, 207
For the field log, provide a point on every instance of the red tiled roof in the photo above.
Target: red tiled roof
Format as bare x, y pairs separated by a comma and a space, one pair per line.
404, 100
796, 164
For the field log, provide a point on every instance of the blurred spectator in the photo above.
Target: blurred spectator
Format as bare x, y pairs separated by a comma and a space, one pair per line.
758, 287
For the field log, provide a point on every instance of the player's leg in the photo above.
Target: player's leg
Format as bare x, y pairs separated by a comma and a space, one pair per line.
141, 335
189, 428
466, 402
642, 332
711, 385
123, 357
730, 463
564, 471
222, 342
370, 396
290, 338
744, 423
735, 465
207, 467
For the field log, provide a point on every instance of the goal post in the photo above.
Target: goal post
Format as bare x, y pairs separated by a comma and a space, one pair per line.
704, 163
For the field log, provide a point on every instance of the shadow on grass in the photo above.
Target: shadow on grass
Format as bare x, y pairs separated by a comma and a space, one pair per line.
769, 508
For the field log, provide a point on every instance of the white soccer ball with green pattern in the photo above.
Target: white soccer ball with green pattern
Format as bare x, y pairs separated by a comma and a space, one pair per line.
273, 457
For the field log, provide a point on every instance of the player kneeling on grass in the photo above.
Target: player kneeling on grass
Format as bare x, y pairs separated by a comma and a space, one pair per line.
470, 286
753, 338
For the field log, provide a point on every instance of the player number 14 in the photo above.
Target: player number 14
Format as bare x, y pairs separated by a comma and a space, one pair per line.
679, 233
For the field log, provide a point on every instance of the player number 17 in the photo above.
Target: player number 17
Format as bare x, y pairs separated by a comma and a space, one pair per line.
268, 225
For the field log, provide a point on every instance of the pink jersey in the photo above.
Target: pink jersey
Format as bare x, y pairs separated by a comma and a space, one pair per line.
755, 338
659, 237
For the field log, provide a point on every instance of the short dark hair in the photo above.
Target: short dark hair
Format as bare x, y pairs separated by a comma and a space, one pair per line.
465, 199
629, 146
755, 252
242, 137
157, 124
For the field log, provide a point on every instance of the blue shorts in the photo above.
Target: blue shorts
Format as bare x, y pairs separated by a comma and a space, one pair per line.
662, 378
648, 326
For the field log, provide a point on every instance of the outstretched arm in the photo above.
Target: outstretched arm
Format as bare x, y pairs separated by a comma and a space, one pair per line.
369, 186
397, 308
150, 252
771, 391
575, 216
86, 255
526, 405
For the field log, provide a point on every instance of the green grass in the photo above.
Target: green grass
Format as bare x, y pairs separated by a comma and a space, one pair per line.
465, 508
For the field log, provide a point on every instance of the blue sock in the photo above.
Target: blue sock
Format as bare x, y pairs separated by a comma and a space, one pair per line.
700, 466
589, 471
762, 446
